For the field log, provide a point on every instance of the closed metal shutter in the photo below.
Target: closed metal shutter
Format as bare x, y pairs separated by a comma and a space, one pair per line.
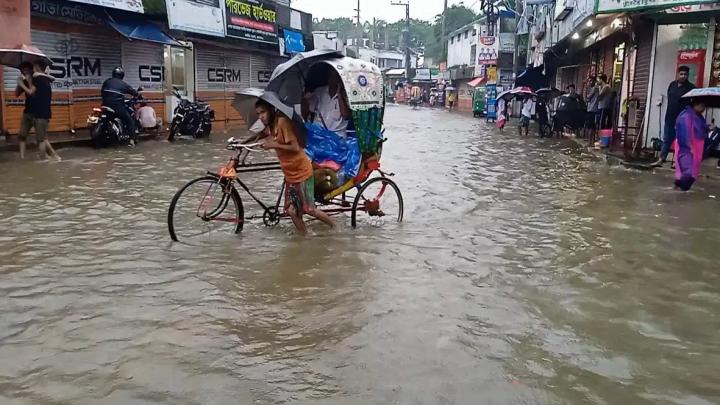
208, 62
143, 64
641, 80
261, 68
237, 65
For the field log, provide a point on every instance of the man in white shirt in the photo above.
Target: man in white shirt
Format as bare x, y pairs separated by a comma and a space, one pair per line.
528, 109
329, 105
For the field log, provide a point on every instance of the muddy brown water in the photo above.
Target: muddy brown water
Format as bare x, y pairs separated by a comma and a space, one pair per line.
525, 272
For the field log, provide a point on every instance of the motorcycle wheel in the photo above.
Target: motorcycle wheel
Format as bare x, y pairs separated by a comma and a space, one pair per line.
174, 130
206, 129
99, 135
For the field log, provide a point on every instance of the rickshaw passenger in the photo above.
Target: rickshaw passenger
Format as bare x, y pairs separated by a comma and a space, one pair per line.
296, 166
329, 105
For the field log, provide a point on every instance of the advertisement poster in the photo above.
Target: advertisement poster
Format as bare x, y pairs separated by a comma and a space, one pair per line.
487, 51
127, 5
492, 74
490, 102
695, 60
715, 63
253, 20
201, 16
507, 42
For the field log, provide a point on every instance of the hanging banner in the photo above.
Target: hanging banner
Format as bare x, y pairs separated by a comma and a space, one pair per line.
135, 6
487, 51
201, 16
253, 20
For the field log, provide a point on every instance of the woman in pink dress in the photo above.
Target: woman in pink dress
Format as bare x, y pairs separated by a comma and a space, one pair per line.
692, 131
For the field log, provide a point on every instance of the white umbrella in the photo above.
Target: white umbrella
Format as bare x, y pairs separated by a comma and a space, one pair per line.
14, 57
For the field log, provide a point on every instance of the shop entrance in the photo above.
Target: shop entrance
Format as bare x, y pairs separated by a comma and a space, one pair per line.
180, 74
676, 45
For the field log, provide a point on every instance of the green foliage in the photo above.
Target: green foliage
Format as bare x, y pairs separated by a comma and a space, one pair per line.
422, 33
154, 6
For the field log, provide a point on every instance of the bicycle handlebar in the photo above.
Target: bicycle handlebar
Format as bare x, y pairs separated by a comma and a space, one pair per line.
235, 144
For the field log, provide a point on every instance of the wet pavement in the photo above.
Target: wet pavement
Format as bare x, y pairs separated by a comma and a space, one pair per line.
526, 271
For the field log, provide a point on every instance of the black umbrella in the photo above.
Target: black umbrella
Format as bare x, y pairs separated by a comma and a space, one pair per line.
288, 79
549, 93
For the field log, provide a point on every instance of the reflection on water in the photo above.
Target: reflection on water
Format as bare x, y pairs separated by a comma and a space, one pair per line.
525, 272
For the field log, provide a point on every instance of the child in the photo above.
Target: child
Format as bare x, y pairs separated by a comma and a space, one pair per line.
296, 166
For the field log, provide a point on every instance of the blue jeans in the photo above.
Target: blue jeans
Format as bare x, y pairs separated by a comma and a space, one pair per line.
668, 139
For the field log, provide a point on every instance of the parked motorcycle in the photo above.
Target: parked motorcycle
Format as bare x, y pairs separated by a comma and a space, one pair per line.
191, 118
106, 128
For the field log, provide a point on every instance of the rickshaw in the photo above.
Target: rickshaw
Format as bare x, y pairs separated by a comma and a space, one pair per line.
212, 203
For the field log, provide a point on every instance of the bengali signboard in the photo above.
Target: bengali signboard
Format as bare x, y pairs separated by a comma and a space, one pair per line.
613, 6
66, 11
201, 16
127, 5
253, 20
507, 42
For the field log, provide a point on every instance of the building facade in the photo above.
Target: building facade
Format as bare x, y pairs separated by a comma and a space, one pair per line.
204, 59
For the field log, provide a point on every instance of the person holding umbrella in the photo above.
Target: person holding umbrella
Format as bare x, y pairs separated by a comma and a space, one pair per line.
691, 132
36, 85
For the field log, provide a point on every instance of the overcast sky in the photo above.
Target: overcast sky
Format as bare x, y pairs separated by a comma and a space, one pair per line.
422, 9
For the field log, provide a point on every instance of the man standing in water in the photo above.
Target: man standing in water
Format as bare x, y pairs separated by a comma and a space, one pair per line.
676, 90
36, 85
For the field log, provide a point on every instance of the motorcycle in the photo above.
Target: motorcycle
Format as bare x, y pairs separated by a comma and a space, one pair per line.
191, 118
106, 128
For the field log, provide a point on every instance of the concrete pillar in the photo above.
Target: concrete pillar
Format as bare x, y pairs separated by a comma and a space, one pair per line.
15, 14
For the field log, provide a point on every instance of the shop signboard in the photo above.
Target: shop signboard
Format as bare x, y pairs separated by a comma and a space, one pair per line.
423, 74
694, 8
200, 16
294, 41
127, 5
252, 20
59, 9
487, 50
619, 6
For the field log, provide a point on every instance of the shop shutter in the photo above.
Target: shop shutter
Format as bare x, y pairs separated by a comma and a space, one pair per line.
207, 63
261, 69
237, 63
143, 64
645, 33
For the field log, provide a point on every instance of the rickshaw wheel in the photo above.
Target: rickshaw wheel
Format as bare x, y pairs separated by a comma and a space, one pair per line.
380, 199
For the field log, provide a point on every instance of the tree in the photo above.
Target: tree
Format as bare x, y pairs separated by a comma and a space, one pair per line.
457, 16
343, 25
156, 7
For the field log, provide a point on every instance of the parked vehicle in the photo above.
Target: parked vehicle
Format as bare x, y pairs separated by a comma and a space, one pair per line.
191, 118
107, 129
478, 101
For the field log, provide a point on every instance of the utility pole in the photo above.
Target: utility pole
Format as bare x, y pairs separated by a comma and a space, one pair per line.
516, 58
358, 32
406, 36
372, 34
443, 33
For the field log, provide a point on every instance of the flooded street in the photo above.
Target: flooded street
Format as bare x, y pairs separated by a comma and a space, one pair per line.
526, 272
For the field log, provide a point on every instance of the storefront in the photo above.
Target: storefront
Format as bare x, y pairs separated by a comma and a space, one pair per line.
85, 45
682, 37
221, 70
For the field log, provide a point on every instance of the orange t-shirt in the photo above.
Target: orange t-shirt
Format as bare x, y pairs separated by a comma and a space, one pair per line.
295, 165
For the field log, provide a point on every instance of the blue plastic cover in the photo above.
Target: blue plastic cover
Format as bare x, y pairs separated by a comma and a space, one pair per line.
323, 145
143, 31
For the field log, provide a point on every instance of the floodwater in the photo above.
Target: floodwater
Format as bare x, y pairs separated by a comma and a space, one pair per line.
526, 272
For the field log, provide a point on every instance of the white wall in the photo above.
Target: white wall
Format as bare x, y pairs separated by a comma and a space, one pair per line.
459, 51
663, 73
375, 55
581, 10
